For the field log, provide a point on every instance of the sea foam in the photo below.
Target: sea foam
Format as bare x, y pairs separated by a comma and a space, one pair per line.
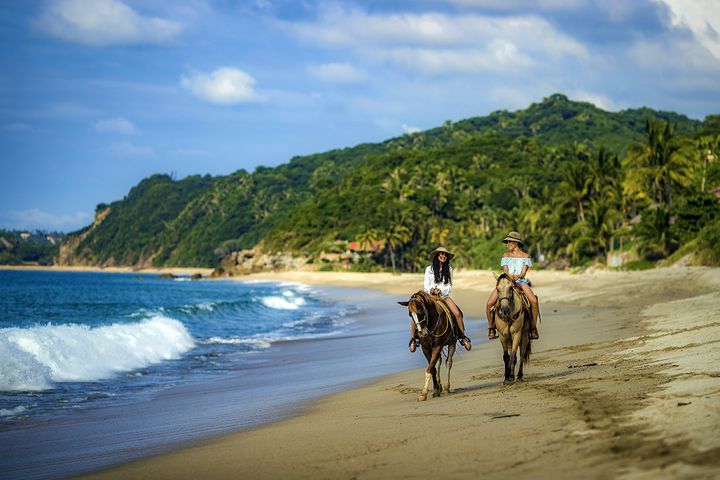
34, 358
288, 301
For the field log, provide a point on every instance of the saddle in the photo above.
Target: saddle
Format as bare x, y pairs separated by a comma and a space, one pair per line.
443, 309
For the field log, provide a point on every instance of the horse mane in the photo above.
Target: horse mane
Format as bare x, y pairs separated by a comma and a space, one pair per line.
504, 275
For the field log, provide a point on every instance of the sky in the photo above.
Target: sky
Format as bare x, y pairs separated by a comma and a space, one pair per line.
96, 95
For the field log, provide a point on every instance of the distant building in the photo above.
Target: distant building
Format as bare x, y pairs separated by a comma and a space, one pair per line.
52, 239
366, 247
25, 235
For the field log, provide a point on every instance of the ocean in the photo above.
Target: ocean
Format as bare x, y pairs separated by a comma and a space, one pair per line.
101, 368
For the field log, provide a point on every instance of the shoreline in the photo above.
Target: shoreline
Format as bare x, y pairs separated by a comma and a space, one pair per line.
623, 383
269, 386
62, 268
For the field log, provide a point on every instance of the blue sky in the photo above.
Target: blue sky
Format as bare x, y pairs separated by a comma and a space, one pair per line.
97, 94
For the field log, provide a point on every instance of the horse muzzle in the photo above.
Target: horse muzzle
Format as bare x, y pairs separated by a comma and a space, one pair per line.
422, 331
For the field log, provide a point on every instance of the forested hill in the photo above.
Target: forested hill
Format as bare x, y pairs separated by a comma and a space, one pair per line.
571, 176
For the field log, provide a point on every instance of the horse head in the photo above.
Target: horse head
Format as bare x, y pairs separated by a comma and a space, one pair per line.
417, 309
506, 304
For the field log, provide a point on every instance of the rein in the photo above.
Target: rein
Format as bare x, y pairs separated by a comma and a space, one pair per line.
441, 310
510, 299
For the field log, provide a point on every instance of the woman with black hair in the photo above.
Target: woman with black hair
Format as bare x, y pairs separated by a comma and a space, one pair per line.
438, 282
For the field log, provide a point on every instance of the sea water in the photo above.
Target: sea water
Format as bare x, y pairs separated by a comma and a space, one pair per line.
77, 340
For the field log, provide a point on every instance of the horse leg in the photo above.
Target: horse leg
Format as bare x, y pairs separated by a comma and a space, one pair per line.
437, 383
521, 354
449, 362
506, 357
428, 357
513, 357
429, 372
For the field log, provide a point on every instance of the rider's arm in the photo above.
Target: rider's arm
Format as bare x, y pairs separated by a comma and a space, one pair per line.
527, 265
429, 279
524, 271
504, 262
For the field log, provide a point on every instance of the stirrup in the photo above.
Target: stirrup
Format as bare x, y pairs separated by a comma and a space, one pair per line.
465, 342
492, 333
534, 335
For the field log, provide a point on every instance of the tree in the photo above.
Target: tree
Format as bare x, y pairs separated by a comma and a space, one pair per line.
661, 164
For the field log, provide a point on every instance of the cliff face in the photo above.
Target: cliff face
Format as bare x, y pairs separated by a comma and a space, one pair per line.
244, 262
68, 253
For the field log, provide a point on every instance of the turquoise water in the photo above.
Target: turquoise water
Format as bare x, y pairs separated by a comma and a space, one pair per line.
73, 340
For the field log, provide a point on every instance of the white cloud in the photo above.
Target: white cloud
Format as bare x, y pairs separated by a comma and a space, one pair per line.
522, 4
599, 100
127, 149
673, 55
225, 86
36, 219
338, 73
102, 23
115, 125
410, 129
701, 17
443, 43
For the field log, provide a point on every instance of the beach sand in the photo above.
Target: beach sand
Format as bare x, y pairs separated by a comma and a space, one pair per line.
624, 383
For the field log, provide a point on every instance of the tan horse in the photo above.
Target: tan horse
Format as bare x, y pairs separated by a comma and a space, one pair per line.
512, 319
433, 321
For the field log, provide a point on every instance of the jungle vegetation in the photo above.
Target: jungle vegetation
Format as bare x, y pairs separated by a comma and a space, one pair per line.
581, 184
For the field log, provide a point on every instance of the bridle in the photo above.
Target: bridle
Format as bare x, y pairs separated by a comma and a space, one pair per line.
511, 300
425, 318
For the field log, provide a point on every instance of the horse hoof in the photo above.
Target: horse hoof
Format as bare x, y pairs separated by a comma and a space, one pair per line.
436, 394
508, 382
447, 390
422, 398
519, 379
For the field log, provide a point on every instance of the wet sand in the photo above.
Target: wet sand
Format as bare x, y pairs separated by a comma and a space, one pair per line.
624, 383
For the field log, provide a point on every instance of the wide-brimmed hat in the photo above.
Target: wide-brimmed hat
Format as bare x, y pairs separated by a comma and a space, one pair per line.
514, 237
441, 249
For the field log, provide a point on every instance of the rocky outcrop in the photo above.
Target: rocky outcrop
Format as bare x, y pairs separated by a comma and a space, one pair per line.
68, 254
254, 260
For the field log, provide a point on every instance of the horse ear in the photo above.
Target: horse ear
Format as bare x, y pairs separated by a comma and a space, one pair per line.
404, 304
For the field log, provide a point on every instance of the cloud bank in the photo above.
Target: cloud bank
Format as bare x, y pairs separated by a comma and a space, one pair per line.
102, 23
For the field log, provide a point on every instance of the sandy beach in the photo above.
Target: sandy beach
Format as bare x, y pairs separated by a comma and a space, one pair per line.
624, 383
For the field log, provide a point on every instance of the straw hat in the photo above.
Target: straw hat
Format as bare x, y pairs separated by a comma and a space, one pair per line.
441, 249
514, 237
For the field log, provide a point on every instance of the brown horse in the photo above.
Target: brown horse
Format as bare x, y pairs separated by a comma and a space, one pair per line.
512, 318
433, 321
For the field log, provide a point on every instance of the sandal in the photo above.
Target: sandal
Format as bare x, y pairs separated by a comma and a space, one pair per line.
534, 335
465, 342
492, 333
414, 343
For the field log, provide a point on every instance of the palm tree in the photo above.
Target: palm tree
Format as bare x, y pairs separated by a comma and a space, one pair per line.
574, 187
662, 163
396, 236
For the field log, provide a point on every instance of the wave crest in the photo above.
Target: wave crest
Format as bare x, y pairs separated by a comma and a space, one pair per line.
32, 359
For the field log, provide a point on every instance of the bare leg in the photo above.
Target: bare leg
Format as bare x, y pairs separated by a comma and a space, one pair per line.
461, 325
413, 332
534, 304
491, 315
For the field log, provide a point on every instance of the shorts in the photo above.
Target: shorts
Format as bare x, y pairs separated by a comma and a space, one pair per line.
522, 281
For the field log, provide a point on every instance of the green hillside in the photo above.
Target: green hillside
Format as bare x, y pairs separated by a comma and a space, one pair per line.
575, 179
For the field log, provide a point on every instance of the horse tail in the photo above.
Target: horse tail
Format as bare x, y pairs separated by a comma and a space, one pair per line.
528, 350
